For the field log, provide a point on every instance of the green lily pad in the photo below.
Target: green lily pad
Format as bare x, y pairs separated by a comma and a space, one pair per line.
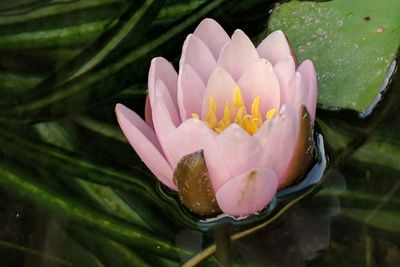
352, 43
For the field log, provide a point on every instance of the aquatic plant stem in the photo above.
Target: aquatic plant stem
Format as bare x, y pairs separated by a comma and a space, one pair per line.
223, 245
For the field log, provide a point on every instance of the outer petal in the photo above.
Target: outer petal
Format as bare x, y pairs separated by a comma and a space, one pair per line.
248, 192
148, 117
307, 71
278, 138
161, 69
260, 80
302, 152
238, 55
196, 54
213, 35
165, 115
285, 71
274, 47
190, 92
299, 92
191, 136
239, 150
221, 86
145, 143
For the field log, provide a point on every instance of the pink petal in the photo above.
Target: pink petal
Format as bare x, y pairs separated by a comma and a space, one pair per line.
193, 135
274, 47
239, 150
285, 72
148, 117
145, 143
196, 54
190, 92
307, 71
248, 192
238, 55
278, 138
161, 69
165, 115
300, 92
221, 86
213, 35
260, 80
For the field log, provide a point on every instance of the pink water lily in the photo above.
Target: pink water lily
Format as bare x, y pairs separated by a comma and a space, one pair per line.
249, 110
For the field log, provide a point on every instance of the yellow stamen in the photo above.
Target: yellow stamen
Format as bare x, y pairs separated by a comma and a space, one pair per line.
212, 106
236, 112
237, 101
211, 118
240, 115
270, 114
250, 124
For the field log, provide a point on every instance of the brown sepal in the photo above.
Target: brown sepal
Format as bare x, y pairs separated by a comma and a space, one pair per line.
194, 185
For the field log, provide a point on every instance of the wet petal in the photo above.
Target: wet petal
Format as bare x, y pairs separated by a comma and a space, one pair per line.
161, 69
238, 55
145, 143
307, 71
190, 92
196, 54
248, 192
213, 35
260, 80
221, 86
274, 47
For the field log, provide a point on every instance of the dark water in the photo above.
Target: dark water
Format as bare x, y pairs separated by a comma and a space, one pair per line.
73, 193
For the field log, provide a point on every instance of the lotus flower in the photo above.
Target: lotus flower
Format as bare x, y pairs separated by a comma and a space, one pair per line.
232, 126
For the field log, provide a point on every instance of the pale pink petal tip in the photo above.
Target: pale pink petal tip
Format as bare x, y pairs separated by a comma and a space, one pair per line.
238, 55
162, 69
213, 35
248, 192
196, 54
308, 73
274, 47
143, 139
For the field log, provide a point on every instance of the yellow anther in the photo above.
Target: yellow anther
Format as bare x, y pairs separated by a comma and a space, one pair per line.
270, 114
250, 124
237, 101
227, 112
211, 119
212, 106
240, 115
235, 112
255, 108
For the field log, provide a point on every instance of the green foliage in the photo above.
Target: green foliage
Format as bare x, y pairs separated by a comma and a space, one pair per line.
352, 43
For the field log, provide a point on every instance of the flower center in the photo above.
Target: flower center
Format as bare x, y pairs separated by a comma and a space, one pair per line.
236, 112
